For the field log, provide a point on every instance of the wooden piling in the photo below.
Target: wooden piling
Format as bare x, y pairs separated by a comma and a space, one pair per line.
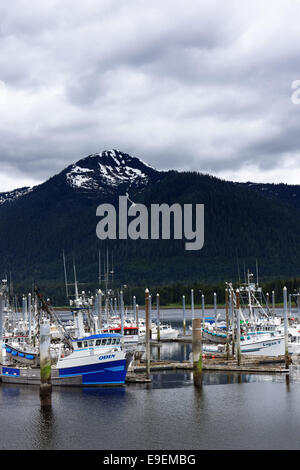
285, 311
99, 309
45, 365
147, 333
122, 314
268, 302
238, 328
137, 315
1, 326
29, 309
134, 308
273, 302
158, 317
203, 309
192, 304
227, 324
183, 314
24, 314
215, 309
150, 316
197, 351
232, 322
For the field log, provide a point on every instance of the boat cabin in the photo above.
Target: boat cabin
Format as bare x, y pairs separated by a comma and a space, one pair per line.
105, 340
128, 330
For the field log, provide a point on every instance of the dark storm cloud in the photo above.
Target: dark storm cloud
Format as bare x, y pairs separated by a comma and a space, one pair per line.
190, 85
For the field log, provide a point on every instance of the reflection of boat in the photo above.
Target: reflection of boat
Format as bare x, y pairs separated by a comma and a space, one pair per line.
95, 360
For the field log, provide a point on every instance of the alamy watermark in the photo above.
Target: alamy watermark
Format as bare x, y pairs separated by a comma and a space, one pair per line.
135, 222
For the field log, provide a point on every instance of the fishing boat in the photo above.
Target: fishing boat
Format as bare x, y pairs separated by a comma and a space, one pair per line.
214, 336
167, 332
130, 333
82, 360
294, 339
95, 360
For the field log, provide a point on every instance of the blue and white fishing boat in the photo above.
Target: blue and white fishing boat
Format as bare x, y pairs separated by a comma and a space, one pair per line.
86, 359
95, 360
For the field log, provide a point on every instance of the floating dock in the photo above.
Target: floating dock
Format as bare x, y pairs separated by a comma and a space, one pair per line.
218, 362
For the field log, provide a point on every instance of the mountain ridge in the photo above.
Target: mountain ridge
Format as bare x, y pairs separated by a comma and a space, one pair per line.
59, 215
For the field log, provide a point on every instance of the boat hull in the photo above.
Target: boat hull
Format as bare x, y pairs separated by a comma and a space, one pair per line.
213, 337
110, 373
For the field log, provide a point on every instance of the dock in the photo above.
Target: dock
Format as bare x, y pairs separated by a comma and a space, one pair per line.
218, 362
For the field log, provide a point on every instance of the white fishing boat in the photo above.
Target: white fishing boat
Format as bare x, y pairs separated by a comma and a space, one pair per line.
167, 332
294, 339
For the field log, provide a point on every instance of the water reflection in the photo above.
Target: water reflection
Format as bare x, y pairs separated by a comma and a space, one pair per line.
105, 391
45, 434
171, 351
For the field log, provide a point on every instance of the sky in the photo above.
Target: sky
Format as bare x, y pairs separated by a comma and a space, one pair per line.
195, 85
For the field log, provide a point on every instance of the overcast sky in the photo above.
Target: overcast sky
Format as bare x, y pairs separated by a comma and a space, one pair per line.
188, 85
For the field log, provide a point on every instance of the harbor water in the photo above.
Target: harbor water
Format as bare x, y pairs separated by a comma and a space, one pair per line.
230, 411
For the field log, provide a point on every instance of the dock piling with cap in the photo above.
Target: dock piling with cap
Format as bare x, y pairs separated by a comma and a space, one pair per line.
227, 323
147, 333
158, 317
1, 326
238, 328
192, 304
183, 312
45, 365
285, 308
197, 351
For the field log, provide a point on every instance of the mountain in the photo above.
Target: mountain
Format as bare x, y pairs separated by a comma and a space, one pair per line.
60, 214
286, 194
109, 172
13, 195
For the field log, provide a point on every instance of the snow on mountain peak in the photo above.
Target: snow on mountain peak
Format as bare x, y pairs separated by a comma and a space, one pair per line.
108, 168
10, 196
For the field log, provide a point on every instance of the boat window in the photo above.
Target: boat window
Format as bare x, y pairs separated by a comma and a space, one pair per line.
91, 343
98, 342
108, 341
85, 343
117, 340
113, 341
79, 344
103, 342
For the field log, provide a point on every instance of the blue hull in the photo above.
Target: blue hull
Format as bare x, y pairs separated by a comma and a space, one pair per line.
109, 373
113, 372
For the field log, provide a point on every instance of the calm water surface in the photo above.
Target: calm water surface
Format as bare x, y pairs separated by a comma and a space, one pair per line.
231, 411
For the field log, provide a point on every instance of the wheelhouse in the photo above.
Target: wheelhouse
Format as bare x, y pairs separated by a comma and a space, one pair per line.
128, 330
105, 340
